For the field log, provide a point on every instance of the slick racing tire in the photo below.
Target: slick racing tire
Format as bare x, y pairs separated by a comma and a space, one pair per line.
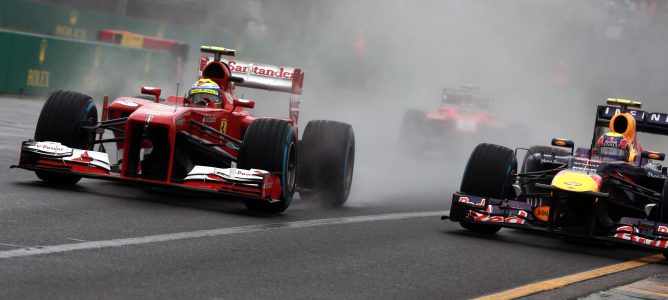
271, 145
326, 162
531, 165
488, 173
413, 131
60, 120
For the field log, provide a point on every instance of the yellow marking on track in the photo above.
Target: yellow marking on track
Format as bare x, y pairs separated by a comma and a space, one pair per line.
555, 283
642, 291
652, 285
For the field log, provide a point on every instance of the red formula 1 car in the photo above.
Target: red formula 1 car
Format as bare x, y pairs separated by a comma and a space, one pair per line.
205, 141
465, 115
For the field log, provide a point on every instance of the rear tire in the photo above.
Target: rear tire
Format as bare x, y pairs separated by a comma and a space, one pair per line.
531, 165
488, 174
270, 145
60, 121
327, 159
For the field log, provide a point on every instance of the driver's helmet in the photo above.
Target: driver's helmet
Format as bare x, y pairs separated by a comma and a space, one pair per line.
205, 93
613, 146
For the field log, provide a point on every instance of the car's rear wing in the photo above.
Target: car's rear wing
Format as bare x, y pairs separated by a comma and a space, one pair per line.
258, 76
267, 77
655, 123
454, 95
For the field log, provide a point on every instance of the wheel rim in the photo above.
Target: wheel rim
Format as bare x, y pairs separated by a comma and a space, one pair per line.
291, 168
350, 162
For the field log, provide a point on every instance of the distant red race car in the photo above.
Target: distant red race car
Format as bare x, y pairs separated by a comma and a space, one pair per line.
205, 141
464, 115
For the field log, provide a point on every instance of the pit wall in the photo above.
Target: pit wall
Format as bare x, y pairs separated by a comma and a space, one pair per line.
66, 38
36, 64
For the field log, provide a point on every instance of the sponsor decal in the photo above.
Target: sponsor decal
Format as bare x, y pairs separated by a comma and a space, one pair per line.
658, 118
209, 119
583, 164
572, 184
148, 119
49, 147
266, 71
468, 201
613, 141
223, 125
70, 30
74, 17
519, 219
84, 157
244, 173
128, 102
629, 233
42, 51
658, 176
38, 78
626, 228
204, 91
611, 111
542, 213
132, 40
662, 229
486, 217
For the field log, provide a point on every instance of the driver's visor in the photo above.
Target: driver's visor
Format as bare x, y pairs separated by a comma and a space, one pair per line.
204, 96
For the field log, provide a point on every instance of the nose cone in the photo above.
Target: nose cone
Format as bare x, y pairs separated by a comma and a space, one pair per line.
574, 181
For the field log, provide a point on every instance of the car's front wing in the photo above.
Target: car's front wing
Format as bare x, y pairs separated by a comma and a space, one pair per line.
56, 158
533, 214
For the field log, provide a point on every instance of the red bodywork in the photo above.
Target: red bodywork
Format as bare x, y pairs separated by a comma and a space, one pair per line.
463, 111
464, 121
140, 125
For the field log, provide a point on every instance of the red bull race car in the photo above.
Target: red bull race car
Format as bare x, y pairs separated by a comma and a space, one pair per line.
206, 141
613, 191
465, 115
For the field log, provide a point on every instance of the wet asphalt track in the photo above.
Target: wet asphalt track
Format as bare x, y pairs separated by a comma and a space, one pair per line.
415, 257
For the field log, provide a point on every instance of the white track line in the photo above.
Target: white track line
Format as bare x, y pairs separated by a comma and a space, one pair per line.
209, 233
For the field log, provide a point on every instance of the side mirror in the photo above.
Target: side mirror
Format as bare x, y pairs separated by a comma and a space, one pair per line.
243, 103
563, 143
147, 90
653, 155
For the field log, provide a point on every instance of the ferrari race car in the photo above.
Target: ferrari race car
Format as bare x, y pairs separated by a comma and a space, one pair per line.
614, 191
465, 115
205, 141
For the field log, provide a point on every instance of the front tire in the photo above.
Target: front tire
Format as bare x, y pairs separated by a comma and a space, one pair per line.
488, 173
60, 120
271, 145
327, 159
